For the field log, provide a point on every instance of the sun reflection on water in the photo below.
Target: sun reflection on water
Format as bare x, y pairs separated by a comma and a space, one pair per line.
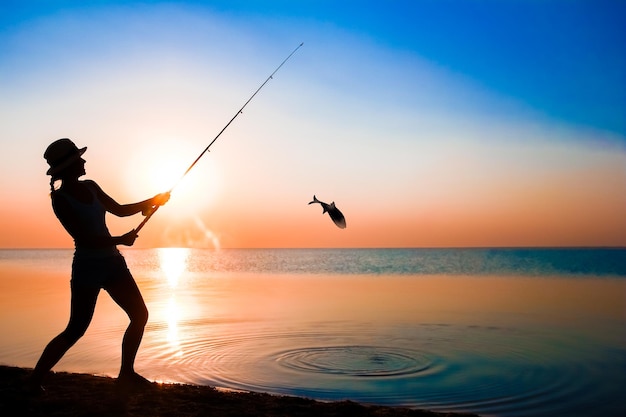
173, 316
173, 263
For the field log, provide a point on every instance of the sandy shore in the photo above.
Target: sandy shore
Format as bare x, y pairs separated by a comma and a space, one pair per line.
74, 395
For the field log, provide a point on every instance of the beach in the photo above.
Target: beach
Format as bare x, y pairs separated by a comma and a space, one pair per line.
77, 395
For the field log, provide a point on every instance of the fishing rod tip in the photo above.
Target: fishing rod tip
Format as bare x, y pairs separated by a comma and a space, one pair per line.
302, 44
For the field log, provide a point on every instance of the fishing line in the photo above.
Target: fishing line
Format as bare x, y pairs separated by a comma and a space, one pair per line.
155, 208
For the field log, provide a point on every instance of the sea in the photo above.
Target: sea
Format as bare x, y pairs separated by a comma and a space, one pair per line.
494, 331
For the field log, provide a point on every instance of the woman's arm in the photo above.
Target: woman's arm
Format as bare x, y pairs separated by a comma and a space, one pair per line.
123, 210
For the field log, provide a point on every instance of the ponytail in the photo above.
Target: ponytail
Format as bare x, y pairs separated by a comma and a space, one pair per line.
53, 179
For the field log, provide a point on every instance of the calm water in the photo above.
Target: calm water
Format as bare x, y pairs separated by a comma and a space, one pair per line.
494, 331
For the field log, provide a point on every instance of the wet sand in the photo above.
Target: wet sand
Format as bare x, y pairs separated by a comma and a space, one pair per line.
74, 395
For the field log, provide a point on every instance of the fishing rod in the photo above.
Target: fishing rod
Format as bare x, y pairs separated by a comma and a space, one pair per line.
155, 208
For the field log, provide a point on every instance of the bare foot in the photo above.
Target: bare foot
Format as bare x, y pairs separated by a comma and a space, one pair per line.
133, 381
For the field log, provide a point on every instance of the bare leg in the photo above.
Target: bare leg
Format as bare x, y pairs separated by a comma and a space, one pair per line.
127, 295
82, 307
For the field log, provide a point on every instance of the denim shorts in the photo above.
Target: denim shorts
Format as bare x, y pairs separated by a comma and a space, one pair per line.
99, 272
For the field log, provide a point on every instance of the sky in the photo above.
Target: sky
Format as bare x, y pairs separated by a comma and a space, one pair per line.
443, 123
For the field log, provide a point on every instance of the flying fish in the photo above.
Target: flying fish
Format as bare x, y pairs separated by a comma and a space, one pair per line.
332, 211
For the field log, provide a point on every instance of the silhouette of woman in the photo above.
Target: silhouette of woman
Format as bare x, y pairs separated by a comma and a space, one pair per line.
80, 206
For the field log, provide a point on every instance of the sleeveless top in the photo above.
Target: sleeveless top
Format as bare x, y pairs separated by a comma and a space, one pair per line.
90, 216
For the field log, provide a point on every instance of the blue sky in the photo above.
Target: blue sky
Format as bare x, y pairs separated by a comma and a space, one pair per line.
564, 58
432, 123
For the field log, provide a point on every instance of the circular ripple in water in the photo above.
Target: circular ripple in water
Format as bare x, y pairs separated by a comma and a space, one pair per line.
490, 371
356, 361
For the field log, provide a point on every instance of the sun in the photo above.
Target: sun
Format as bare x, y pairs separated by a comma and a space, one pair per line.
166, 164
165, 174
162, 168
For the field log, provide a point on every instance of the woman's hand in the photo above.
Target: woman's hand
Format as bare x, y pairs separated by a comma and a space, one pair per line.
161, 199
154, 202
128, 239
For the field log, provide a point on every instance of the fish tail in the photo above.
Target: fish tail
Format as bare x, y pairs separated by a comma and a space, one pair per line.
315, 200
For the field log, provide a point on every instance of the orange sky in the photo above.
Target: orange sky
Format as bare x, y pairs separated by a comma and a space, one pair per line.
578, 209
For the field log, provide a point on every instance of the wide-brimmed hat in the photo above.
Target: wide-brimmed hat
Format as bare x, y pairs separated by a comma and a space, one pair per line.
62, 153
